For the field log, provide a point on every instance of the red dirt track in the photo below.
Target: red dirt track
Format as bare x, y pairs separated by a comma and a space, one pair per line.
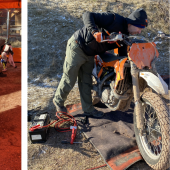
10, 118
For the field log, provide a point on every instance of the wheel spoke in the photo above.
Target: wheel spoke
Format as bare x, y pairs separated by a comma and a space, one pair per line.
160, 147
157, 148
159, 140
153, 113
154, 148
148, 112
154, 119
156, 139
155, 130
151, 139
149, 142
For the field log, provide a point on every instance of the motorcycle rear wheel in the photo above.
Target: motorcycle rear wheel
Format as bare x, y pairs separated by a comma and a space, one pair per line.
154, 144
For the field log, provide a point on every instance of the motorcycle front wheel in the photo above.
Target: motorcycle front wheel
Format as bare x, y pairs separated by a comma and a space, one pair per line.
154, 143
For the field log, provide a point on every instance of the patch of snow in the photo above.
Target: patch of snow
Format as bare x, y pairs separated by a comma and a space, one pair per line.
59, 76
36, 79
62, 18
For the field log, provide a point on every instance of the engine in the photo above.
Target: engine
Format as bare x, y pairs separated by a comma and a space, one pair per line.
108, 97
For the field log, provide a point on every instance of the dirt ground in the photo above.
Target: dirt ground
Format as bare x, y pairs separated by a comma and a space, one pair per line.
50, 24
10, 118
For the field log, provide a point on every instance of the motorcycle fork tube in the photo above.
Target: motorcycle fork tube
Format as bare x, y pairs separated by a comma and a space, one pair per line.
139, 110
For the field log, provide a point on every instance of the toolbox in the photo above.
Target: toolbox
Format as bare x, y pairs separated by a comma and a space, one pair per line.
39, 135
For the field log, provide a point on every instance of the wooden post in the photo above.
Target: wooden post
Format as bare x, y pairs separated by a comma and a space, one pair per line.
18, 20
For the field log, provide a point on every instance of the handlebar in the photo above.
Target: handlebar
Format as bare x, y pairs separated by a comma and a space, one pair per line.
127, 39
114, 37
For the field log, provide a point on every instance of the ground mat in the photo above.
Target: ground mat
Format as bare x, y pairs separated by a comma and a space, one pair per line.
113, 135
10, 118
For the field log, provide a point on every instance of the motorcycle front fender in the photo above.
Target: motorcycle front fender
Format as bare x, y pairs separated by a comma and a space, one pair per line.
155, 82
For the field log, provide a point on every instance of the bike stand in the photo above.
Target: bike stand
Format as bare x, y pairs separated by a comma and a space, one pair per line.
125, 160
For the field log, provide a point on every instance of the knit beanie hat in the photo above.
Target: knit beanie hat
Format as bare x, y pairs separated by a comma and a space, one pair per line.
138, 18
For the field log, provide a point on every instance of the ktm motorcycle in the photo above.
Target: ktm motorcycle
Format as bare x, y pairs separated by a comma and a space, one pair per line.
119, 80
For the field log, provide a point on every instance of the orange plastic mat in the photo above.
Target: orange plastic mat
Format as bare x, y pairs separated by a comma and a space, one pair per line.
17, 54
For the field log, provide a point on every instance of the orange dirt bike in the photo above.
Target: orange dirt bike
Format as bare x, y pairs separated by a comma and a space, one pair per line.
119, 80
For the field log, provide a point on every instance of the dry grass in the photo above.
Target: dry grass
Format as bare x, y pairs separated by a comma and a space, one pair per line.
16, 43
158, 10
47, 48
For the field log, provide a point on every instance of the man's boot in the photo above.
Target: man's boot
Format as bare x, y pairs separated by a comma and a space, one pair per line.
59, 108
95, 113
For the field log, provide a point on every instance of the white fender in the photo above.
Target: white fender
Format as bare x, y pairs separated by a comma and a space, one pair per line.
156, 83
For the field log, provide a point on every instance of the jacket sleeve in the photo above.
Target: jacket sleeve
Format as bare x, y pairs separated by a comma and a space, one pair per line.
93, 21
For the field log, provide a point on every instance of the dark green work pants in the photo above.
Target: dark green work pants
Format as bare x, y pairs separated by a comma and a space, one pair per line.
76, 64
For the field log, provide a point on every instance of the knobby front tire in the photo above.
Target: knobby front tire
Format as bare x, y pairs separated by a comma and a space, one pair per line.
154, 144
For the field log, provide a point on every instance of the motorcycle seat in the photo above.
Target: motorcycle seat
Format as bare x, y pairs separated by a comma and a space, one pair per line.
108, 57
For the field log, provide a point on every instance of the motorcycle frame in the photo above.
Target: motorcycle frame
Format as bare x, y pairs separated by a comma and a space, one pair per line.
125, 98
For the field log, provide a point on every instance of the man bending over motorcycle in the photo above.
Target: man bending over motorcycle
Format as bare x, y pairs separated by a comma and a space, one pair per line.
84, 44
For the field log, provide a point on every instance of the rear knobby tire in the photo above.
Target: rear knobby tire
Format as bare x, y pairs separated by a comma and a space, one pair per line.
162, 161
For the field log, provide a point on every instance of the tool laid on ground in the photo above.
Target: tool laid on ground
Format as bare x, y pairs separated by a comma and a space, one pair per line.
66, 142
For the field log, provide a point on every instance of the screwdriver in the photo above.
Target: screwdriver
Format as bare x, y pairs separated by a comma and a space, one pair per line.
66, 142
